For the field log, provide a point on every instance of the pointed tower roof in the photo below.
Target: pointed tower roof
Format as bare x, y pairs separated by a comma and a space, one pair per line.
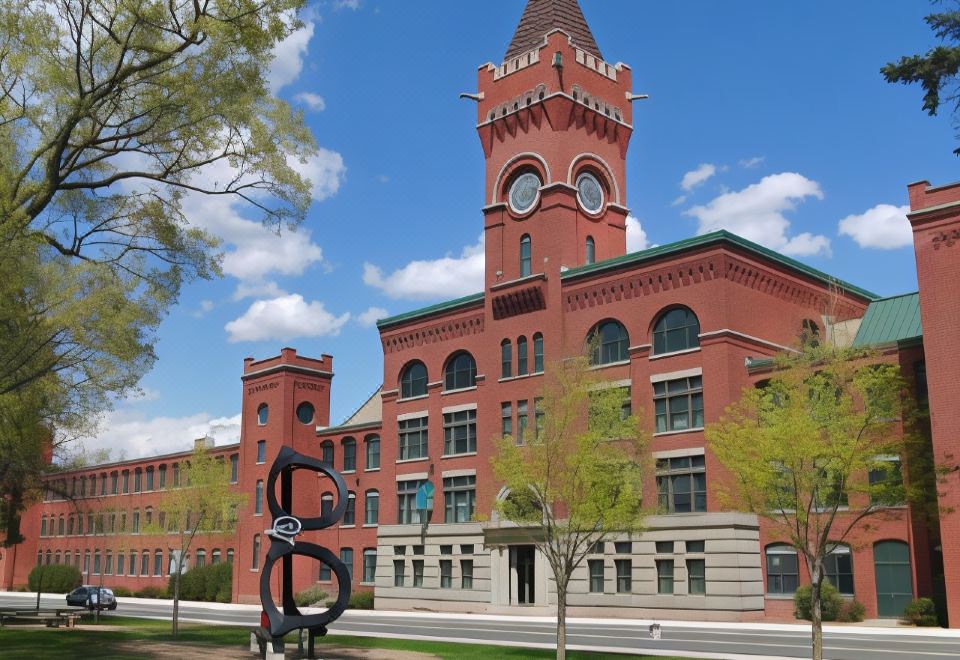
542, 17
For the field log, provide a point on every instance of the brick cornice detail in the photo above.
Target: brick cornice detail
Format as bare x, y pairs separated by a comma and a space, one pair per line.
434, 333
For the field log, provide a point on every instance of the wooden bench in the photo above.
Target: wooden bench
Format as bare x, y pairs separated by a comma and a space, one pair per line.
50, 618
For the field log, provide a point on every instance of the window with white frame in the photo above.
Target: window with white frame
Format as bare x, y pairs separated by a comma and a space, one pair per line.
678, 404
460, 432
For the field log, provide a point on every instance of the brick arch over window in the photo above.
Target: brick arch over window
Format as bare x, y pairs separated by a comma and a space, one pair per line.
675, 329
413, 379
460, 371
612, 341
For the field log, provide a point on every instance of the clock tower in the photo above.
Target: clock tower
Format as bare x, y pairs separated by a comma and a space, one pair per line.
554, 121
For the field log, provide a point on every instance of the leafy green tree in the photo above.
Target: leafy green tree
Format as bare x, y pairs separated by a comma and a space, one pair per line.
816, 452
937, 70
113, 113
204, 504
576, 476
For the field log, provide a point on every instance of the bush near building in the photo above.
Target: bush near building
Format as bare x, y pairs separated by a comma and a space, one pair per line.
830, 602
921, 612
310, 596
54, 578
151, 592
211, 584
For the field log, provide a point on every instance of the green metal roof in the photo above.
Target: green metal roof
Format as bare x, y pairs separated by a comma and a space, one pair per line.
890, 320
720, 236
432, 309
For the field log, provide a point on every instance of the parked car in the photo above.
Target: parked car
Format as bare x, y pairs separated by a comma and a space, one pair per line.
92, 597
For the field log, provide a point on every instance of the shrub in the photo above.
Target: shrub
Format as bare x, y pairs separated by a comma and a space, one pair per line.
361, 600
211, 584
54, 578
851, 611
122, 591
21, 588
310, 596
830, 602
921, 612
151, 592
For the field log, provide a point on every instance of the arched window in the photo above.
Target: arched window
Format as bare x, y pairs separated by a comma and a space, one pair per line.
676, 330
591, 250
538, 353
162, 475
326, 503
350, 512
413, 381
326, 451
43, 525
215, 556
258, 502
144, 563
506, 359
201, 558
255, 561
526, 260
176, 475
522, 356
782, 569
70, 525
371, 507
149, 485
230, 555
610, 342
60, 523
373, 452
263, 412
460, 372
349, 454
838, 569
56, 557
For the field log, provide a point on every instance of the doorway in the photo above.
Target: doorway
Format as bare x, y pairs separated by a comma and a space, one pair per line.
894, 577
522, 567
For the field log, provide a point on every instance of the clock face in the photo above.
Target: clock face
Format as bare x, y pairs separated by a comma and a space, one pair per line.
524, 192
589, 193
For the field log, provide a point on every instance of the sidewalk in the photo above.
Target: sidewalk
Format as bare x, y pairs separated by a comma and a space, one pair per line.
879, 627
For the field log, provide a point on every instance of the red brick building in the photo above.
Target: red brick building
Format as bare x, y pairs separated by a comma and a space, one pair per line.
679, 331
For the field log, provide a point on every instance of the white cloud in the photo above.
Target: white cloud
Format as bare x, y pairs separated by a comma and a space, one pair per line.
313, 101
288, 57
325, 171
258, 289
347, 4
142, 394
679, 200
750, 163
447, 277
757, 214
130, 432
636, 237
204, 308
371, 316
884, 227
698, 177
285, 318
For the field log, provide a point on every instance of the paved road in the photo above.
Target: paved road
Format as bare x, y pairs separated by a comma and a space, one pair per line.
884, 644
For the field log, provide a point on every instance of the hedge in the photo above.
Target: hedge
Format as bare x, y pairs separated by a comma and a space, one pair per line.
830, 602
212, 584
54, 578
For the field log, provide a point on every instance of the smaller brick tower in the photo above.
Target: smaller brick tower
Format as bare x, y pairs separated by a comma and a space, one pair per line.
935, 217
285, 399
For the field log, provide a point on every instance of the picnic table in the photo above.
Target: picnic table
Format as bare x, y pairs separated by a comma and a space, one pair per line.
52, 618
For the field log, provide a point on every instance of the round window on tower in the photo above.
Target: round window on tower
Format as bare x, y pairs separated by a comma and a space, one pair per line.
524, 192
589, 193
305, 413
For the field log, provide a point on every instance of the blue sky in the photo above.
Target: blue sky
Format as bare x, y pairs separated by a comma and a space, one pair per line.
767, 118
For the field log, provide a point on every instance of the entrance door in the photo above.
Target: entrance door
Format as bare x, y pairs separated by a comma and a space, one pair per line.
521, 565
891, 561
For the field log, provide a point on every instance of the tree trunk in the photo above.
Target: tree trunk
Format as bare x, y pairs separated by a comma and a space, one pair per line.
176, 601
561, 623
816, 611
39, 586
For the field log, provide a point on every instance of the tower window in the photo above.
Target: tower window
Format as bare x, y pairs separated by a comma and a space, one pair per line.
591, 250
262, 413
506, 359
524, 192
305, 413
589, 193
525, 256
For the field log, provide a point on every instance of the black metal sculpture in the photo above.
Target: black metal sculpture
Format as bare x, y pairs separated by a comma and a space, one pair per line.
283, 546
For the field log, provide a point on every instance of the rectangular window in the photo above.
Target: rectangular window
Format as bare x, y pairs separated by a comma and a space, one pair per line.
258, 498
459, 496
103, 485
137, 475
522, 421
369, 565
113, 483
623, 547
460, 432
696, 576
350, 512
96, 562
349, 455
413, 438
126, 482
371, 513
108, 563
163, 476
121, 558
418, 572
506, 359
326, 452
234, 468
136, 522
886, 483
407, 513
399, 576
838, 569
261, 451
506, 419
373, 453
538, 353
664, 547
596, 575
538, 416
522, 357
324, 573
157, 564
149, 478
624, 575
664, 576
682, 484
145, 564
446, 573
782, 570
678, 404
466, 574
346, 556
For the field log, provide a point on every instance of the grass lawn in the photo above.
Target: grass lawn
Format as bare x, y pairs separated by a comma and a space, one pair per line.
33, 643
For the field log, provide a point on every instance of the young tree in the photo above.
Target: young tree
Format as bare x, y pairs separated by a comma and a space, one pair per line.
937, 70
203, 504
576, 477
816, 452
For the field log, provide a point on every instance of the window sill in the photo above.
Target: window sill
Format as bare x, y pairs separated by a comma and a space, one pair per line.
369, 584
468, 453
369, 525
254, 570
619, 363
696, 429
347, 526
660, 356
376, 469
459, 390
507, 379
413, 398
348, 471
412, 460
779, 596
261, 462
